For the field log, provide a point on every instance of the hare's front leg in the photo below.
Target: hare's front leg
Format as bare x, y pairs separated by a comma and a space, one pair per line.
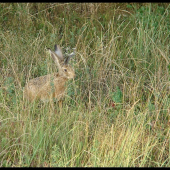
60, 103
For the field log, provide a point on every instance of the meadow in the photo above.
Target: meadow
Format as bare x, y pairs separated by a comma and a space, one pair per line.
117, 109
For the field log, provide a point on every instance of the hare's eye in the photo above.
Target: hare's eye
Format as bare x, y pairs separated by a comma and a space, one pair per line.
65, 70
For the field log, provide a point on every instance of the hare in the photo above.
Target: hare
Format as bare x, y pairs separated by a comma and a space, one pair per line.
51, 85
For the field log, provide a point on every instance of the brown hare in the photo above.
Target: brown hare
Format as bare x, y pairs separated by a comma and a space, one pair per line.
52, 85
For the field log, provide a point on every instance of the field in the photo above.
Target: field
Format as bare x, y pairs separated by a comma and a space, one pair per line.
117, 109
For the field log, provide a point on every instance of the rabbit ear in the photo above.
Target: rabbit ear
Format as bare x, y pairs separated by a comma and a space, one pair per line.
67, 60
55, 58
58, 51
69, 56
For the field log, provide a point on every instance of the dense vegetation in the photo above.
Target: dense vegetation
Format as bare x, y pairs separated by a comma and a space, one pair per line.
117, 109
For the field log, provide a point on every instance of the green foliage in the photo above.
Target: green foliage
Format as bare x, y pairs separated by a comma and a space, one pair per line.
117, 96
10, 85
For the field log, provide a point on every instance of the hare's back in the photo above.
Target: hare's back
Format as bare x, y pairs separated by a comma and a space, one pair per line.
40, 81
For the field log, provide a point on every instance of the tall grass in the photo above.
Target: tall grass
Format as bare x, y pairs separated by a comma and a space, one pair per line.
116, 111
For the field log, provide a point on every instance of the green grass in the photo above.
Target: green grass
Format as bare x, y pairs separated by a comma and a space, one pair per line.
116, 111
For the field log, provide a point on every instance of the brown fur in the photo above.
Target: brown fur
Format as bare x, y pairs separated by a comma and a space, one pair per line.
51, 85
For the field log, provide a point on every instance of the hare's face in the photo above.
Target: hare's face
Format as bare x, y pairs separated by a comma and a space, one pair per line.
62, 63
68, 72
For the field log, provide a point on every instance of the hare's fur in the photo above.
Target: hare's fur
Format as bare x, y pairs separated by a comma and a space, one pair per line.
51, 85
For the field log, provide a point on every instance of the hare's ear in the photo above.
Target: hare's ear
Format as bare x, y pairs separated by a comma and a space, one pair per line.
67, 60
69, 56
55, 58
58, 52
